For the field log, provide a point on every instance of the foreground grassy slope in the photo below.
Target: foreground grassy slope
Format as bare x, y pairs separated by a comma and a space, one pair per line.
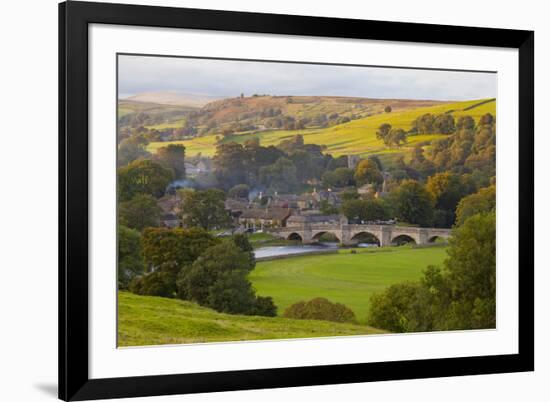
355, 137
346, 278
146, 320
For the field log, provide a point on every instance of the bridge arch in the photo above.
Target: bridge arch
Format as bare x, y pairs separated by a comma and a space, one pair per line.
437, 239
294, 236
319, 234
365, 237
403, 238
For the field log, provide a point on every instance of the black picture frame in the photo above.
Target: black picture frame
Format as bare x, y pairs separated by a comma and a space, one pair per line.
74, 18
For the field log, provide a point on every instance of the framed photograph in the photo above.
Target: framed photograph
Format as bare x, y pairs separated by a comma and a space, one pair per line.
259, 201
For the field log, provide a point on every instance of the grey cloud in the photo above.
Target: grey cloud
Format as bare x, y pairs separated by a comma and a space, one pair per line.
230, 78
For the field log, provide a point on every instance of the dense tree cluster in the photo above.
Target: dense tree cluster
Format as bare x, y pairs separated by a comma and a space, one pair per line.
366, 210
287, 167
392, 137
172, 157
461, 295
143, 177
204, 209
192, 265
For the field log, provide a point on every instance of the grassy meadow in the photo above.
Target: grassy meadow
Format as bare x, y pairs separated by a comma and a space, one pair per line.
149, 320
345, 278
355, 137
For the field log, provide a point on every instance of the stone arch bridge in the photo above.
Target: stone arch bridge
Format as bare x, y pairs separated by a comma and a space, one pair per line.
349, 234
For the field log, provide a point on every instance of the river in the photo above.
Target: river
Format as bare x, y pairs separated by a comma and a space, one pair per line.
278, 251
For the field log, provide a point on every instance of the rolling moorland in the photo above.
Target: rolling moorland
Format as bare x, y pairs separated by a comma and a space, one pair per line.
354, 137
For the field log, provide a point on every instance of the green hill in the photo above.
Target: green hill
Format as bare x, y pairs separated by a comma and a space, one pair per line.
356, 137
146, 320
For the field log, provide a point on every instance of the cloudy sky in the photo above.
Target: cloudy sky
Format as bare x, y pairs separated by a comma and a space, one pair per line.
231, 78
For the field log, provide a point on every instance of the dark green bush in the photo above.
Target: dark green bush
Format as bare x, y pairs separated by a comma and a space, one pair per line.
320, 309
264, 306
153, 284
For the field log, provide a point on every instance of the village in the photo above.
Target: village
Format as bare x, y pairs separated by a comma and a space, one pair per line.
262, 212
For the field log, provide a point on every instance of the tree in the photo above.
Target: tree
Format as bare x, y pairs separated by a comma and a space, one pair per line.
340, 177
460, 296
367, 171
130, 150
281, 176
171, 249
350, 194
365, 210
412, 203
482, 201
153, 284
471, 274
444, 124
229, 164
387, 109
140, 212
465, 123
257, 156
218, 279
424, 124
308, 165
205, 209
375, 209
383, 131
142, 177
292, 144
130, 264
393, 309
172, 157
353, 209
327, 208
396, 137
446, 189
239, 191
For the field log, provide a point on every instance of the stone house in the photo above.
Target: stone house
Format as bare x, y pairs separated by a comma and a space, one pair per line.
258, 218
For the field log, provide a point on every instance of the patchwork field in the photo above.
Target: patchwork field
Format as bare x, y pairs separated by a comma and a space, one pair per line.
355, 137
148, 320
345, 278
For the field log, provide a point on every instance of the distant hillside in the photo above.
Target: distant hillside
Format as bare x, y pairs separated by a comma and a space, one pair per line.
247, 114
256, 108
354, 137
147, 320
173, 98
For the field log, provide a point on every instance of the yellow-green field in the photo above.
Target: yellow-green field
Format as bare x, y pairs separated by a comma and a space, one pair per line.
355, 137
172, 124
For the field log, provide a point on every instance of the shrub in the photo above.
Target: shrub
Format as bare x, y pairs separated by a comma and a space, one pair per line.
320, 309
393, 309
264, 306
153, 284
